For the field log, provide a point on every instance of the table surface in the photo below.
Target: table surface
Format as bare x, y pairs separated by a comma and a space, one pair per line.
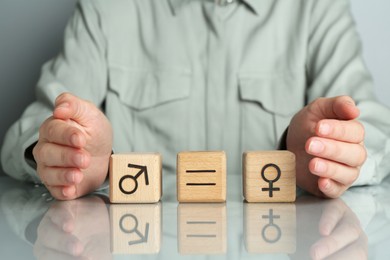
35, 226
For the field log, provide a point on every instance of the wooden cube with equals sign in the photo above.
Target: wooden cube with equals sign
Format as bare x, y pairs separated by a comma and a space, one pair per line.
201, 176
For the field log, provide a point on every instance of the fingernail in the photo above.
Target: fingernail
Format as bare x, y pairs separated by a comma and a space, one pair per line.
63, 105
324, 129
79, 160
316, 147
320, 167
68, 191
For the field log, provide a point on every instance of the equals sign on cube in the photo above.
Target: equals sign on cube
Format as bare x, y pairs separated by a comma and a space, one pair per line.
201, 176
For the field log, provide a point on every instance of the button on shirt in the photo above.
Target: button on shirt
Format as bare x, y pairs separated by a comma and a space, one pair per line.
176, 75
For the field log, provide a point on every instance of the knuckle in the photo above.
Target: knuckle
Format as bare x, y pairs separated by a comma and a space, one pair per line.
63, 96
63, 156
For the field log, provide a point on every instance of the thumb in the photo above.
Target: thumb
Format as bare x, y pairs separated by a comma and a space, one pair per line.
340, 107
68, 106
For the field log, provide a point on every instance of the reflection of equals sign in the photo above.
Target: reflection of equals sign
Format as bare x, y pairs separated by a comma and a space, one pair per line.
201, 223
200, 183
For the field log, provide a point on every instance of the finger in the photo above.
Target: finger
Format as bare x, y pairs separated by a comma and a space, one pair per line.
340, 173
63, 192
64, 214
357, 250
347, 131
350, 154
330, 188
332, 213
54, 155
341, 107
50, 236
57, 176
68, 106
62, 132
343, 235
42, 253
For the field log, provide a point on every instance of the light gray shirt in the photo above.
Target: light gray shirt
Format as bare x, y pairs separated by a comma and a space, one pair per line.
175, 75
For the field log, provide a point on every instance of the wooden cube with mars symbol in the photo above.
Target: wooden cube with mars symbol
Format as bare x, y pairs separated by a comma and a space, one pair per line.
135, 178
269, 176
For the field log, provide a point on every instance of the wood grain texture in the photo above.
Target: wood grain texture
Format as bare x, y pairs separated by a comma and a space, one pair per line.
136, 228
202, 228
201, 176
135, 178
270, 227
278, 182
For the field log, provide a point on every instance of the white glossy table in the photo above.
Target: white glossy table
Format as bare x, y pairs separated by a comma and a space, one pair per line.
33, 225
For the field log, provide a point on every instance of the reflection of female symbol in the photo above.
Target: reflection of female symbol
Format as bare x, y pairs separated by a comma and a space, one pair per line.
278, 235
142, 169
124, 223
271, 182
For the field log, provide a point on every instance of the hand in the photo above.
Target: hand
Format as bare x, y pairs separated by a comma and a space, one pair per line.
328, 143
73, 149
342, 235
77, 229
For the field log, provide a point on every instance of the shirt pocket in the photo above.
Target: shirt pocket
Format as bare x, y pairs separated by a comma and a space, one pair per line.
267, 106
149, 110
144, 89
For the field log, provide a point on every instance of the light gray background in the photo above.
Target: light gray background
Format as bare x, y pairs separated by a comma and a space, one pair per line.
31, 33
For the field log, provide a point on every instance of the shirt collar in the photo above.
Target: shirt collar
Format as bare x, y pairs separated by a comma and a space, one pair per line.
176, 5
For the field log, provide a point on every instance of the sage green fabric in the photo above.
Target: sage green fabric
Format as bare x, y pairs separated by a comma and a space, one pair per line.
174, 75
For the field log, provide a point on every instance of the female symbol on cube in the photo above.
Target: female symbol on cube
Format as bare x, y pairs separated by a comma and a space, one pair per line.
271, 189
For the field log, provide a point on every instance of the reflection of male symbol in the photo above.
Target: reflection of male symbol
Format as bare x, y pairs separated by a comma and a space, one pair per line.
271, 182
142, 169
142, 238
271, 217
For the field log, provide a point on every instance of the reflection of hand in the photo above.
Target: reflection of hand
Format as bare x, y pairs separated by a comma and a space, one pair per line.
328, 144
73, 149
343, 237
77, 229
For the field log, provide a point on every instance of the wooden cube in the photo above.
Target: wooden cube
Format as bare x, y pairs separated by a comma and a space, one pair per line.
269, 176
270, 228
135, 229
135, 178
201, 228
201, 176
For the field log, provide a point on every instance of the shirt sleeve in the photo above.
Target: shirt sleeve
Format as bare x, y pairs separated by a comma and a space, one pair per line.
335, 67
80, 68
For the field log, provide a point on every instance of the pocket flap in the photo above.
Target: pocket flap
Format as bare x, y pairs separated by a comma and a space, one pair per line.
142, 89
274, 94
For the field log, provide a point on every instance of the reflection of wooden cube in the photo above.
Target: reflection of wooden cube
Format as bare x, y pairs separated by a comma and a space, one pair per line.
135, 229
135, 178
270, 228
201, 176
269, 176
201, 228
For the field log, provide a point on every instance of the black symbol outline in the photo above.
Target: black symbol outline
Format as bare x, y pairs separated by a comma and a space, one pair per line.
271, 223
142, 169
142, 238
270, 188
201, 184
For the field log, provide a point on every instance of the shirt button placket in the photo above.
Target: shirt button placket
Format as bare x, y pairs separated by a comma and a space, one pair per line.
215, 89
